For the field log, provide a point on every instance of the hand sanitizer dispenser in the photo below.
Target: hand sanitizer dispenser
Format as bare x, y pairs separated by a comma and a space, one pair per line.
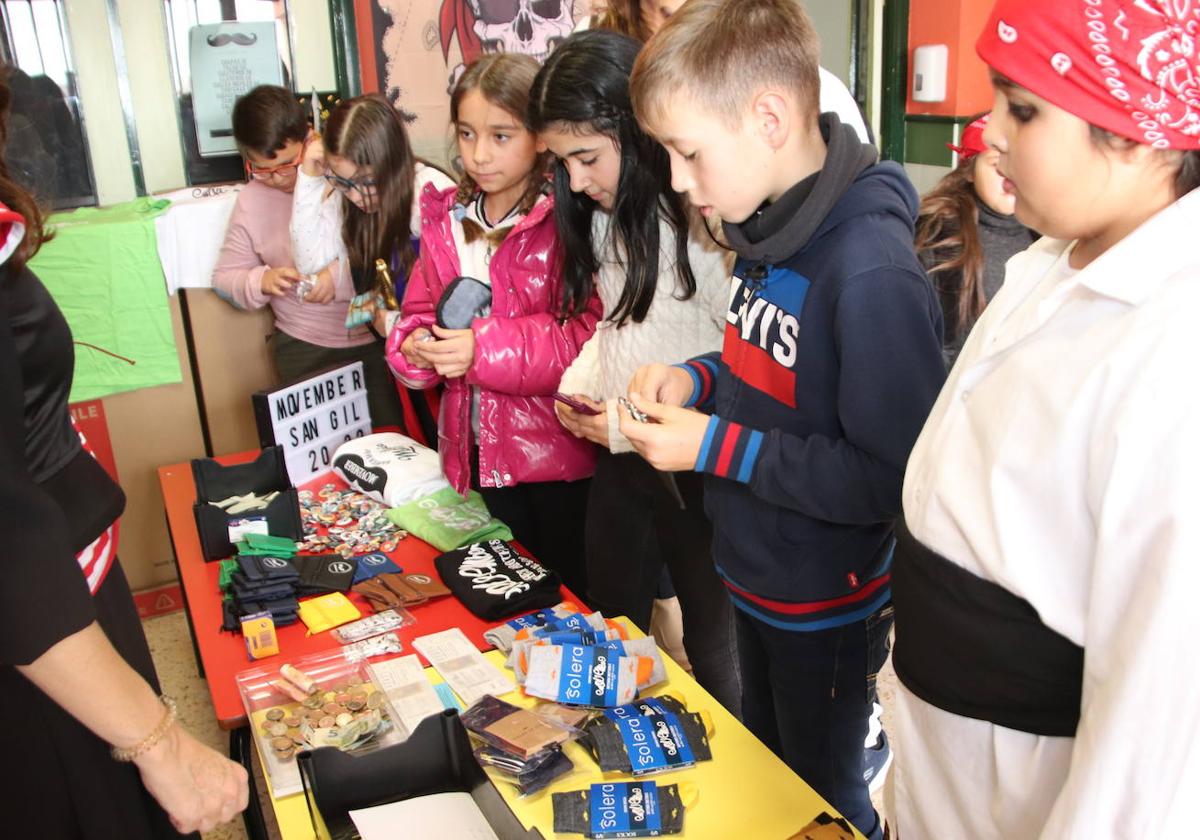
930, 63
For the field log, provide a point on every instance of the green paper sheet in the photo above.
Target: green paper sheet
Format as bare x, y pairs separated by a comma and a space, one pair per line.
102, 269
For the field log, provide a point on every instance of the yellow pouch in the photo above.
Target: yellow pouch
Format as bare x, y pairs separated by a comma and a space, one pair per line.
327, 611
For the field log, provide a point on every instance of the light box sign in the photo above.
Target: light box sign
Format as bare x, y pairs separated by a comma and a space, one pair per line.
312, 417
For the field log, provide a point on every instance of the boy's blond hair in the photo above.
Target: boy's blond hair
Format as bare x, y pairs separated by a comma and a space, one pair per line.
721, 52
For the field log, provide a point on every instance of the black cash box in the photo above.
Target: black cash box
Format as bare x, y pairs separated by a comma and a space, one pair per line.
214, 482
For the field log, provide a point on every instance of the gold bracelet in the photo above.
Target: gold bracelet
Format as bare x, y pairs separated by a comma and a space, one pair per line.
150, 741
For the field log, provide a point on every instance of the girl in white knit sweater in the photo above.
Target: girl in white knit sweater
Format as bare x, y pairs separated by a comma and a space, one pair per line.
665, 288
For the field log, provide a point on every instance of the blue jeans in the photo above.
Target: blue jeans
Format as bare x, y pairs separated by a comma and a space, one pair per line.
808, 697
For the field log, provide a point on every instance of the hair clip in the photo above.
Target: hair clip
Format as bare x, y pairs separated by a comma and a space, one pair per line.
459, 211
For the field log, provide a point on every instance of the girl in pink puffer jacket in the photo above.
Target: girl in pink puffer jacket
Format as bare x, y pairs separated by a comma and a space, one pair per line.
497, 430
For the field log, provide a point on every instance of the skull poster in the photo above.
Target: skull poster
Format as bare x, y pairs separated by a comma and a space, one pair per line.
424, 45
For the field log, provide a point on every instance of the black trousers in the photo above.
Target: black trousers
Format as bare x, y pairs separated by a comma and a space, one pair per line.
808, 695
62, 782
639, 520
547, 518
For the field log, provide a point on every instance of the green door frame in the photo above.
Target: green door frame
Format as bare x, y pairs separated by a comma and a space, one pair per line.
345, 48
894, 92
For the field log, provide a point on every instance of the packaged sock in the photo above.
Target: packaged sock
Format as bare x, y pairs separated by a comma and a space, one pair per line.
653, 735
582, 675
493, 580
501, 637
643, 648
528, 776
619, 809
519, 732
575, 622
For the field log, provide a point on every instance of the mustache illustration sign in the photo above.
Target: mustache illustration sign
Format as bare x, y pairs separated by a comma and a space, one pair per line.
226, 61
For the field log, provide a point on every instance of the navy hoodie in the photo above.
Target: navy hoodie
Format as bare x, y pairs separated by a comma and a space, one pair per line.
831, 362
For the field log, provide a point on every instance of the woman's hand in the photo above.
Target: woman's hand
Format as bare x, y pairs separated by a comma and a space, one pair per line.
197, 786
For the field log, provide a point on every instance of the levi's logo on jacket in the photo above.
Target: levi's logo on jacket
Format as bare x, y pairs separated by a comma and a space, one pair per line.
762, 331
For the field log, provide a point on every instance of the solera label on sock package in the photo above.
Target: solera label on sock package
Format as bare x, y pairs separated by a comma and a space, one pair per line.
655, 743
624, 809
581, 675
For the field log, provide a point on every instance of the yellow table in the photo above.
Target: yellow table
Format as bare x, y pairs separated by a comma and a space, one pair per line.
744, 792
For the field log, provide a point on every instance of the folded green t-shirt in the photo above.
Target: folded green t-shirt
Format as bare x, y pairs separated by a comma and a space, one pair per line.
446, 520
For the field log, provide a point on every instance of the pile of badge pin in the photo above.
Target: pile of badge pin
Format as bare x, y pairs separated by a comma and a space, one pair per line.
345, 521
346, 716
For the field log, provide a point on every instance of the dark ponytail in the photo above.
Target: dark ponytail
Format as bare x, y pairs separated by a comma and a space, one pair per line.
584, 87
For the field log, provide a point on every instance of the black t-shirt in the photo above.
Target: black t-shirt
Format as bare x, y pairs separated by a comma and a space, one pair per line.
54, 498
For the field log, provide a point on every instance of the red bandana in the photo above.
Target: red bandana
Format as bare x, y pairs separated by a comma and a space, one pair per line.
971, 143
1129, 66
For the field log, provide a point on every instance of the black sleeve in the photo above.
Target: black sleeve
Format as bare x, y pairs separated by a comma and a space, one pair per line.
44, 597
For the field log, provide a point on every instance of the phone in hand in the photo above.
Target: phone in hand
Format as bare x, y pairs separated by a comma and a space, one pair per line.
574, 404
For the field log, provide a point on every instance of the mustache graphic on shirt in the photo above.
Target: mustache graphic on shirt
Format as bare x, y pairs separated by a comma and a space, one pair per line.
239, 38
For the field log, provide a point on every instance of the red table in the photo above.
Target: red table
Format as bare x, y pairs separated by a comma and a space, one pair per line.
222, 654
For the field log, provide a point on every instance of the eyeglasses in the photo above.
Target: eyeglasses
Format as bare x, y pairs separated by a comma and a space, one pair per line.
262, 173
364, 186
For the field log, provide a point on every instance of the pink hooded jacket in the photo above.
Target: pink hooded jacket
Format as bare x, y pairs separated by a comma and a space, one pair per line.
521, 351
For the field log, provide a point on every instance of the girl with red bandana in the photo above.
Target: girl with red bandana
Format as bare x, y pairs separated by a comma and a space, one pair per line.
1046, 574
966, 232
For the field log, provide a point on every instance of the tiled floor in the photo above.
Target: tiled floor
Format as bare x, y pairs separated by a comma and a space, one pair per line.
171, 646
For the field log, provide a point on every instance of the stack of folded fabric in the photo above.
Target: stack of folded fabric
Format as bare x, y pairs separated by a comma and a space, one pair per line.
261, 583
265, 583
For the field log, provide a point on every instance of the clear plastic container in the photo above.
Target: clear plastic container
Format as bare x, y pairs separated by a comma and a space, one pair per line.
343, 704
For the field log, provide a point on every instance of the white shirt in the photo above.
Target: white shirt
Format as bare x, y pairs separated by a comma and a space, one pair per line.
673, 330
317, 218
1062, 461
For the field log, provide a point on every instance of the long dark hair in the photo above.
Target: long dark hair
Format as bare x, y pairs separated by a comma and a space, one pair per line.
948, 230
370, 132
15, 197
584, 87
504, 80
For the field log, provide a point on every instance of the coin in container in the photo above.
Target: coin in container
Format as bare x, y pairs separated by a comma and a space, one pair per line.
331, 709
356, 704
274, 714
327, 721
344, 718
278, 729
279, 744
292, 720
313, 701
343, 698
375, 700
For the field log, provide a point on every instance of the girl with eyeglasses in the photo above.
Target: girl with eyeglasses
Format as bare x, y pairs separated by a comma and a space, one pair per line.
256, 267
497, 429
355, 203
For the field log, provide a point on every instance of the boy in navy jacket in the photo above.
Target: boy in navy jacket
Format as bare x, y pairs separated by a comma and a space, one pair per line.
830, 365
